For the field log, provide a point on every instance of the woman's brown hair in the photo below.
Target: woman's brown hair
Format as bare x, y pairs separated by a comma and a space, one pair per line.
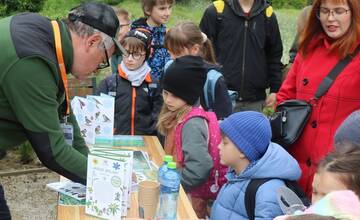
346, 164
186, 35
344, 45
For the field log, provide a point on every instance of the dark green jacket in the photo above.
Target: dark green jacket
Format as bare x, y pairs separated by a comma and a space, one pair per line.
32, 94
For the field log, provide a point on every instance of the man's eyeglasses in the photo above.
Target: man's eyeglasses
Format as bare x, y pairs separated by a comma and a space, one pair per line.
105, 63
136, 56
324, 13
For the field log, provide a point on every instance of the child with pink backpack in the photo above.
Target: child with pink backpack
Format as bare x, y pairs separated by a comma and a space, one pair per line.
191, 134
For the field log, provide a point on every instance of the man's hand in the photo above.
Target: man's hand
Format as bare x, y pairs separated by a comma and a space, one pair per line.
270, 100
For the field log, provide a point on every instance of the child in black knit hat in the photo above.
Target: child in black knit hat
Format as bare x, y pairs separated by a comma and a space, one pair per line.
191, 134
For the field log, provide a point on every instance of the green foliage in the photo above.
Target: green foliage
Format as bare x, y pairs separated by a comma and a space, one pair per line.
111, 2
26, 153
183, 10
183, 1
2, 10
287, 23
58, 8
268, 111
298, 4
8, 7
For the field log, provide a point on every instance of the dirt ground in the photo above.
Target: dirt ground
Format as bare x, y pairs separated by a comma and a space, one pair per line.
12, 162
25, 188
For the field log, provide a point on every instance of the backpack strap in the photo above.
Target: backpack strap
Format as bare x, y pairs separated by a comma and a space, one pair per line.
250, 196
167, 64
219, 6
268, 13
209, 88
195, 112
295, 187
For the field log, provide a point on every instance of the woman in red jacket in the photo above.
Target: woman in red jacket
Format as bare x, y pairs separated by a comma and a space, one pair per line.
331, 33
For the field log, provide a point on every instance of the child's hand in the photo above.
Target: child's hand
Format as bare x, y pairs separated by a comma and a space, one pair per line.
270, 100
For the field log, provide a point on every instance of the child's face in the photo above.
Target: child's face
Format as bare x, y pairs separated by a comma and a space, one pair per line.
124, 26
172, 102
134, 60
159, 14
229, 153
325, 182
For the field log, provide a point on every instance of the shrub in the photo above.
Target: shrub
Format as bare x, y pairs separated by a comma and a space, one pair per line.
183, 1
298, 4
112, 2
2, 10
26, 153
8, 7
109, 2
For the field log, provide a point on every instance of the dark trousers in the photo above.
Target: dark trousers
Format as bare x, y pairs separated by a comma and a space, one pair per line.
4, 209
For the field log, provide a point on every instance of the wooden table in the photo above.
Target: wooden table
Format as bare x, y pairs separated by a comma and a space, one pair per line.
156, 153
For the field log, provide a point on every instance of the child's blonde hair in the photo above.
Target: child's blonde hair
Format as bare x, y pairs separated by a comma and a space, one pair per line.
148, 5
186, 35
169, 119
121, 12
346, 164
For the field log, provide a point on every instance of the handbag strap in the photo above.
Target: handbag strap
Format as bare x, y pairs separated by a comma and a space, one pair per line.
330, 78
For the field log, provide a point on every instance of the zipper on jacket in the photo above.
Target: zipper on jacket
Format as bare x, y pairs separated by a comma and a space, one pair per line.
133, 104
243, 62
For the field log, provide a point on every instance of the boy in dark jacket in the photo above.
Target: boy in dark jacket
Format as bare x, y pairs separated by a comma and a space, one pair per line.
137, 94
247, 43
157, 14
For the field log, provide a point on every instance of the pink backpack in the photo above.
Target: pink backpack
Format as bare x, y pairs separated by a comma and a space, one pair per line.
216, 179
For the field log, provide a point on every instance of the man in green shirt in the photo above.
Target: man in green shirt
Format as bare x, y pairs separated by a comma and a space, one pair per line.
33, 85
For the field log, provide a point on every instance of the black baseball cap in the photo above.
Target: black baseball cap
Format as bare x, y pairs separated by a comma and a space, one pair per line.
99, 16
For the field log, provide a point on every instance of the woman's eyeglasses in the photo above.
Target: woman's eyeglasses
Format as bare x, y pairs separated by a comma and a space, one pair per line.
105, 63
323, 13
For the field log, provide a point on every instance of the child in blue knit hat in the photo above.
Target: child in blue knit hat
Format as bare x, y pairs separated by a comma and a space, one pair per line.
247, 149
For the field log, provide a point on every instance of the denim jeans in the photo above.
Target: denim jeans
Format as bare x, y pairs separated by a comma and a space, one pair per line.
4, 209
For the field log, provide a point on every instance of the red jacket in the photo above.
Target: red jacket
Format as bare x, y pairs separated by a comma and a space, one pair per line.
342, 98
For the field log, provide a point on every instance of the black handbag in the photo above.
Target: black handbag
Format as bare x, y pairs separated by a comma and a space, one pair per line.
289, 120
291, 116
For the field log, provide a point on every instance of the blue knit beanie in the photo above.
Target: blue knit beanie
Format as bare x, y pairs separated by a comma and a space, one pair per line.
250, 132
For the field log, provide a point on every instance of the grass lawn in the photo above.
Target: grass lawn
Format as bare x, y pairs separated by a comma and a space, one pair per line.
191, 11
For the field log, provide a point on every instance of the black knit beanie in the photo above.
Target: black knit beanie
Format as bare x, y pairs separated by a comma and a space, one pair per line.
185, 78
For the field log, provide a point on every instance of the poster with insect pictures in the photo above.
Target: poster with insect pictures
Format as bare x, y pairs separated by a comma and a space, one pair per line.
84, 112
125, 156
105, 186
104, 115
